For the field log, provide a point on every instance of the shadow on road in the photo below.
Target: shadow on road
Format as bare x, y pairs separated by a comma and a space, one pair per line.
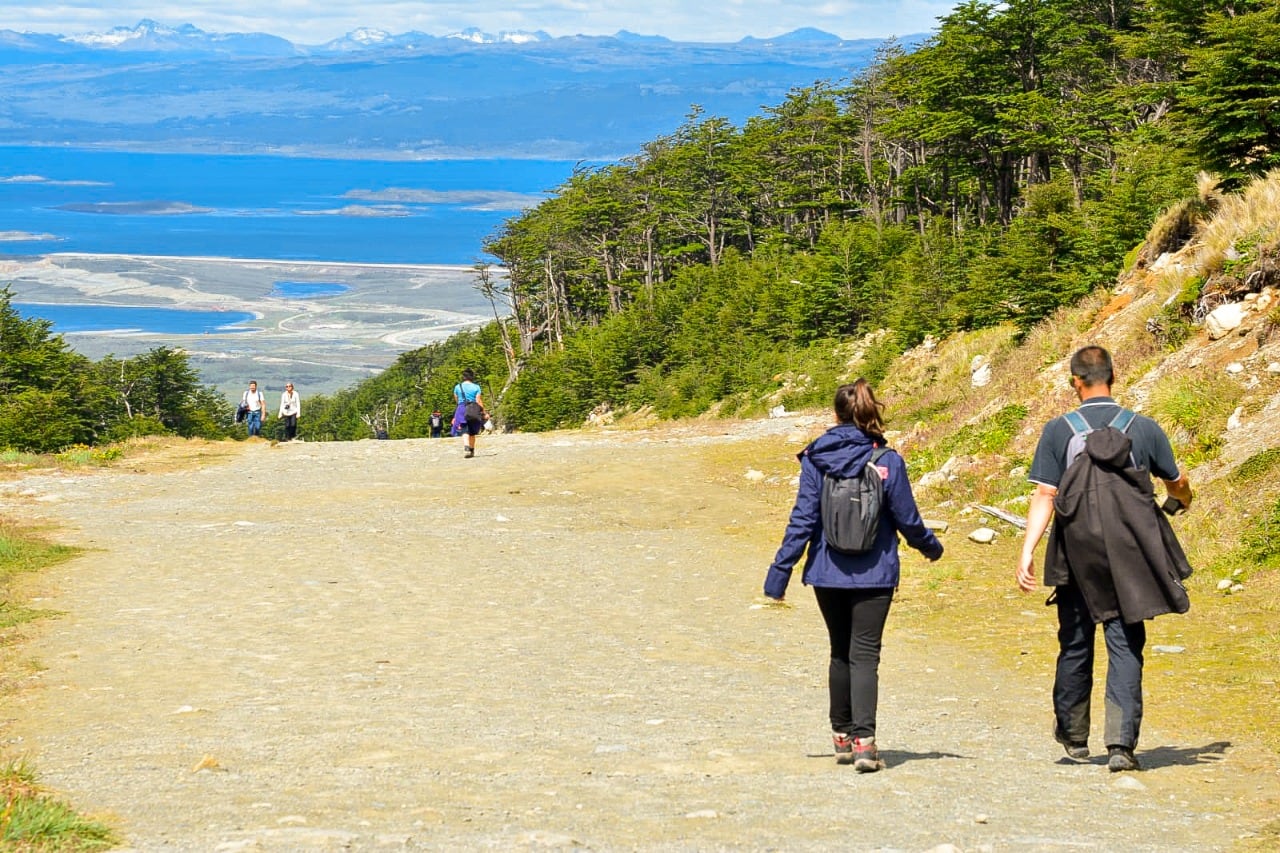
894, 757
1174, 756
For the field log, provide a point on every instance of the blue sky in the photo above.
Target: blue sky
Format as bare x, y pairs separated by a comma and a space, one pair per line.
317, 21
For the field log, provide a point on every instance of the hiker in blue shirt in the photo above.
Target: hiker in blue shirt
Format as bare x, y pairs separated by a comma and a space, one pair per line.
1125, 564
471, 407
854, 591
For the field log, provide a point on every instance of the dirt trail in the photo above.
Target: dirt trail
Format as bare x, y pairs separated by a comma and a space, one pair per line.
383, 645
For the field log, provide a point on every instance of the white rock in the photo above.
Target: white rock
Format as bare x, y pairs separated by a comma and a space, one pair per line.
1233, 422
778, 412
1235, 368
1273, 367
983, 535
1224, 584
1195, 362
933, 478
1017, 472
981, 377
1169, 650
1238, 587
753, 475
1130, 783
1224, 319
703, 814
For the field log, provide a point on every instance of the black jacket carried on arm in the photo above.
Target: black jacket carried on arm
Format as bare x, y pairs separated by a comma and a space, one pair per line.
1110, 536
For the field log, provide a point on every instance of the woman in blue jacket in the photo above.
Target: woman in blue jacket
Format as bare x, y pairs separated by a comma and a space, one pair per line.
854, 591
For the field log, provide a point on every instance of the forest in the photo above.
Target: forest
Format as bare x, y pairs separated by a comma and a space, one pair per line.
1010, 165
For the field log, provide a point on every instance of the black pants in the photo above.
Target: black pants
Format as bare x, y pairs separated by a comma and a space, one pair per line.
855, 625
290, 427
1073, 684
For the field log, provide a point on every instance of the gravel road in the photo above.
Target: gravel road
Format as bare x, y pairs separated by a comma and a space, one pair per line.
557, 644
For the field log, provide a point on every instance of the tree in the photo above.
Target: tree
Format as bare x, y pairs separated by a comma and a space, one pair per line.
46, 393
1231, 100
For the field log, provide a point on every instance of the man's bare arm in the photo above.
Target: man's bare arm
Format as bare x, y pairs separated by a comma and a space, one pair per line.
1039, 514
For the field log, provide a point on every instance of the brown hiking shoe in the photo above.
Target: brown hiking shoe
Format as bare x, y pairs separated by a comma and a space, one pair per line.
866, 758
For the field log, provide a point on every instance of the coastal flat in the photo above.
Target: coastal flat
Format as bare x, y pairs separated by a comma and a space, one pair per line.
383, 645
321, 343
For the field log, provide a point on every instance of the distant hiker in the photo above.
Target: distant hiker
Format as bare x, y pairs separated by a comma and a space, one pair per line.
290, 408
471, 408
1112, 557
255, 405
854, 591
437, 424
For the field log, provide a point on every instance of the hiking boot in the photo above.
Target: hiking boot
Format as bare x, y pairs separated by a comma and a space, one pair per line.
1121, 758
866, 758
844, 747
468, 452
1076, 749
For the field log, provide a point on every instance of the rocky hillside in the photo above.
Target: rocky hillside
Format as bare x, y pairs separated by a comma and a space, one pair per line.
1194, 325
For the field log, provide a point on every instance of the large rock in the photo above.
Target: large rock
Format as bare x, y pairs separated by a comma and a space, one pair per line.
979, 371
1224, 320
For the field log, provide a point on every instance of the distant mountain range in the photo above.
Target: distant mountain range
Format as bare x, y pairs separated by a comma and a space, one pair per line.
372, 93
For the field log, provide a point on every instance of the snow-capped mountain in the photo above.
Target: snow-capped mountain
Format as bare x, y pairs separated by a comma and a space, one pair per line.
470, 93
151, 36
476, 36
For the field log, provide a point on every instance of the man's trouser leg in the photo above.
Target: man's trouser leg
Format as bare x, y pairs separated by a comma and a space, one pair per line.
1073, 681
1124, 681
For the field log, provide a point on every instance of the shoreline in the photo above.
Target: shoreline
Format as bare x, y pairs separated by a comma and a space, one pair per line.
241, 261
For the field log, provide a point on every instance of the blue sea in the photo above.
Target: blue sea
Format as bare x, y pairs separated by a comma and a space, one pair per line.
257, 206
122, 318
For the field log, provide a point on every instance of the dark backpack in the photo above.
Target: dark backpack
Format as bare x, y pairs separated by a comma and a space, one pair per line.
851, 508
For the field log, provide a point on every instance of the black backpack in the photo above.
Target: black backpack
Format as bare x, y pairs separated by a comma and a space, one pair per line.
851, 508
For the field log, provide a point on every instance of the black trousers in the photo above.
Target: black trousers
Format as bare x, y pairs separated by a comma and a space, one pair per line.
1073, 683
855, 625
290, 427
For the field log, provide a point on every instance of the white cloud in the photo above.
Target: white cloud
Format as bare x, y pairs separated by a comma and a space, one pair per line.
316, 21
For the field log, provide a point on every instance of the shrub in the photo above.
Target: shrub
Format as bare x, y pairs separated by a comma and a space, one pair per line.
1257, 465
1195, 411
1260, 543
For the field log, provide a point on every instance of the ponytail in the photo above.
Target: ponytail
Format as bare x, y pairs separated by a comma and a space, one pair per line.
857, 404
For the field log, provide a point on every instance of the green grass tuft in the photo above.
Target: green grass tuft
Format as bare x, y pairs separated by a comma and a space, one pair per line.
33, 821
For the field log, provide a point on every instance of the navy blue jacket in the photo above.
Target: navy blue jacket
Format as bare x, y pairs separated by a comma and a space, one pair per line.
842, 451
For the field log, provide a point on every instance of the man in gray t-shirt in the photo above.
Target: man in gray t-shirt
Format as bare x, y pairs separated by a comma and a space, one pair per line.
1092, 375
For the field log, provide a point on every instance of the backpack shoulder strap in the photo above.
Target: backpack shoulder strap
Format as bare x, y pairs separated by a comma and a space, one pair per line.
1122, 420
878, 452
1076, 421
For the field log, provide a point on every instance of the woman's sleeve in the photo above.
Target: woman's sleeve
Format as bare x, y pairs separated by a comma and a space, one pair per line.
903, 512
805, 521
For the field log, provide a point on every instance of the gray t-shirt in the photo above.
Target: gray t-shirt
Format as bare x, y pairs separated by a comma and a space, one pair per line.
1151, 449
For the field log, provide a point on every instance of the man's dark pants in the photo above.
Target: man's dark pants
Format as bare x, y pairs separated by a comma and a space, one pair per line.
1074, 681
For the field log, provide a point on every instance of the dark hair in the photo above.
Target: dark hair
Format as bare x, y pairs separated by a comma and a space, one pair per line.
468, 375
1092, 366
857, 404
